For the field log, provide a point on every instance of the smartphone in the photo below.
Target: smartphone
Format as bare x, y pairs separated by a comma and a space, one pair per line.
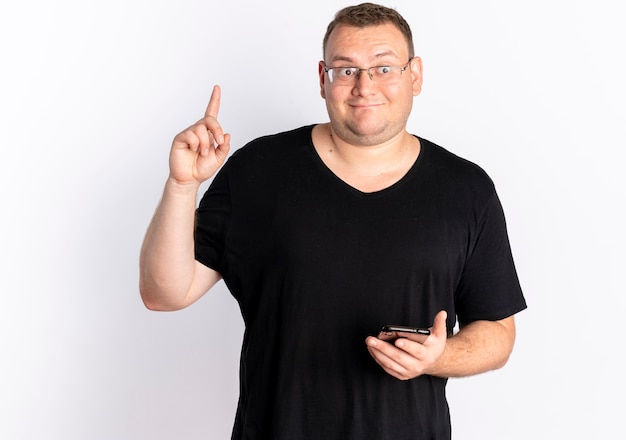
389, 333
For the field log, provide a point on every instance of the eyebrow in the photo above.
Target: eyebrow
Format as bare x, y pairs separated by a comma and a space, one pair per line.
350, 60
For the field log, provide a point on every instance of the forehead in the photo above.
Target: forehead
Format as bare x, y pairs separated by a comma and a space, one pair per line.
352, 43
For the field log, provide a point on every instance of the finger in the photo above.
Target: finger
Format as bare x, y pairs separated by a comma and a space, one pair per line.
187, 139
389, 364
222, 149
388, 352
214, 102
210, 115
205, 138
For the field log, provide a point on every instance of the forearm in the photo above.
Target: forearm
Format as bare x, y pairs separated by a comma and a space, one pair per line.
478, 347
167, 255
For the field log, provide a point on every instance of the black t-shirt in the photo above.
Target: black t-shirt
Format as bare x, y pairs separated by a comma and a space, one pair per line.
317, 265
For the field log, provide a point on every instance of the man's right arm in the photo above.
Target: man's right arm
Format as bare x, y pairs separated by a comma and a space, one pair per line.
169, 277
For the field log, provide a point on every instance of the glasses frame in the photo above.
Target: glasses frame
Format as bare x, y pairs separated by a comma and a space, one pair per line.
358, 70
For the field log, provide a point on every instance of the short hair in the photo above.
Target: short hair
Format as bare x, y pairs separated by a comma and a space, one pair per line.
370, 14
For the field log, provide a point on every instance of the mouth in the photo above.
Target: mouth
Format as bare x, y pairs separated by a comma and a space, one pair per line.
364, 105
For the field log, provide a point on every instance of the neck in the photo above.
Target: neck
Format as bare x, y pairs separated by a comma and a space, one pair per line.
372, 159
366, 168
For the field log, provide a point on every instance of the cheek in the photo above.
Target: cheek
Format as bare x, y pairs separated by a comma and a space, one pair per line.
333, 96
336, 93
402, 94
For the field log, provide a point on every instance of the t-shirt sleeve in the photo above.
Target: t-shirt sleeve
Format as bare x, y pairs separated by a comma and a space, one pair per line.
489, 288
211, 221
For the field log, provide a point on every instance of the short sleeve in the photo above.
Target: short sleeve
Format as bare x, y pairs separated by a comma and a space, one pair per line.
212, 217
489, 288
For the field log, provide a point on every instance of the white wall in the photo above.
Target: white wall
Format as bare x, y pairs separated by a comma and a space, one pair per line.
91, 94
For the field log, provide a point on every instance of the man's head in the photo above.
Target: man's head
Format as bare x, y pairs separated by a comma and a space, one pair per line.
369, 74
370, 14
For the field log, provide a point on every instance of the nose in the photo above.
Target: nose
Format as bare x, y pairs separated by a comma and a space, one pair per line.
369, 74
363, 82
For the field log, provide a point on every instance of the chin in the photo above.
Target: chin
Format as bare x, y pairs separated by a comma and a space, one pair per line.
368, 139
370, 135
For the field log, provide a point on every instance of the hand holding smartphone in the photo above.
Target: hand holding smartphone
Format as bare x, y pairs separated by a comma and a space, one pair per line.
389, 333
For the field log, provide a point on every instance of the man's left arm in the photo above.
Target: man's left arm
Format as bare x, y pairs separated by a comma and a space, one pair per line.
478, 347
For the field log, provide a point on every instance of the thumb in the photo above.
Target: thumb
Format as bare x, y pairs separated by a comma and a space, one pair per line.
439, 326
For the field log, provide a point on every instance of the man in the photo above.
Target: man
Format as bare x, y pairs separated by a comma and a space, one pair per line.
327, 232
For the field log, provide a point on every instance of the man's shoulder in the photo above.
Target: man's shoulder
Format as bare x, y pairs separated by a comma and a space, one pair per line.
444, 161
272, 154
277, 143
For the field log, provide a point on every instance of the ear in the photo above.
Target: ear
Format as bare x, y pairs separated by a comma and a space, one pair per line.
416, 75
321, 74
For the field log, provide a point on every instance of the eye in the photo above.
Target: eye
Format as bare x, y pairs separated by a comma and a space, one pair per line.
383, 70
346, 72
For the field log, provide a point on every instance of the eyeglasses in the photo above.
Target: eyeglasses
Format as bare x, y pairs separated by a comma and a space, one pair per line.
378, 74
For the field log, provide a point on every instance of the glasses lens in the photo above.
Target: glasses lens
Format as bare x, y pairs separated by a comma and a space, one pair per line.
343, 74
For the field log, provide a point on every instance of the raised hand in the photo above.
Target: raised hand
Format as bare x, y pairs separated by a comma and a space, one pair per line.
200, 150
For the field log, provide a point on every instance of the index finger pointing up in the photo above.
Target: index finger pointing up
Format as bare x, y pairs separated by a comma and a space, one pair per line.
214, 103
